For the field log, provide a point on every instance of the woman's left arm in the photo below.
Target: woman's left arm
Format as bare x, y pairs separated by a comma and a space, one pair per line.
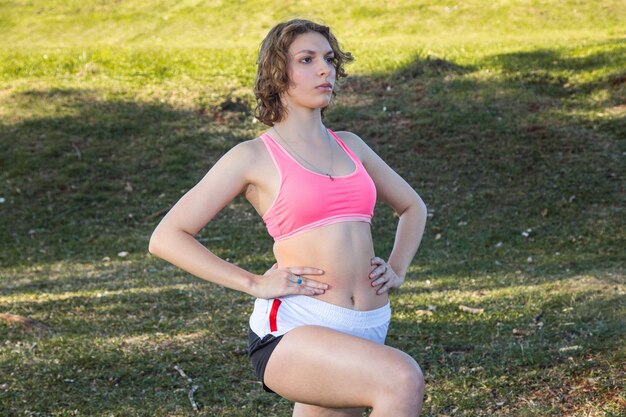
395, 191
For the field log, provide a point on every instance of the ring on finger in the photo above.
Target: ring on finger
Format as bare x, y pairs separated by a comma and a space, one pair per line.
298, 280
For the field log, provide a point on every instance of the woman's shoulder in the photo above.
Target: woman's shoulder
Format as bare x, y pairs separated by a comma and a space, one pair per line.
353, 141
350, 138
249, 149
250, 158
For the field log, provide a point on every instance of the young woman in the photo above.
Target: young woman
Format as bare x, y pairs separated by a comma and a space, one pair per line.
322, 311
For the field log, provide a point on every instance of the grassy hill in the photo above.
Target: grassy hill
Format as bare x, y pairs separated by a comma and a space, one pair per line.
508, 117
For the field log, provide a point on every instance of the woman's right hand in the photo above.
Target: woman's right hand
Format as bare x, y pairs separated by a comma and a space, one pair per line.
277, 282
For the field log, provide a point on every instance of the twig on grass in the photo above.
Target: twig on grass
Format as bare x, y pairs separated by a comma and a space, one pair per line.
471, 309
183, 374
155, 214
192, 390
26, 323
190, 395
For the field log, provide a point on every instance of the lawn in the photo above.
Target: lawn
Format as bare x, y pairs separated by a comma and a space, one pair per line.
508, 117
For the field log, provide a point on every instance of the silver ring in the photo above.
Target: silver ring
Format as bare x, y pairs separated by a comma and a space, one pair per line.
299, 280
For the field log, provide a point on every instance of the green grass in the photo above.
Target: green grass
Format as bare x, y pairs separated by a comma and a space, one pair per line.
509, 118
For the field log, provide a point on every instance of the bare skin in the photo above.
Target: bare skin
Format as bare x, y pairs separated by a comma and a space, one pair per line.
321, 366
325, 372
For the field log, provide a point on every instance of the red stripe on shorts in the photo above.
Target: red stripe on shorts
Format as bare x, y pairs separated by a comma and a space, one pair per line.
273, 314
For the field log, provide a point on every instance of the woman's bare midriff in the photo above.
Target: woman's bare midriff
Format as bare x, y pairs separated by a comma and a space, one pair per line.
344, 252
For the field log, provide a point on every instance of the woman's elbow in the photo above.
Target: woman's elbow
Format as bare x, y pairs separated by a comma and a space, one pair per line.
156, 242
419, 203
414, 207
422, 206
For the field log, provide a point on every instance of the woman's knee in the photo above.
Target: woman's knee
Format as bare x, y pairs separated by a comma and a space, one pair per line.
415, 382
406, 387
411, 377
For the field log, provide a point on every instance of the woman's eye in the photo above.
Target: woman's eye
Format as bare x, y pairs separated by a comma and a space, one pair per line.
329, 59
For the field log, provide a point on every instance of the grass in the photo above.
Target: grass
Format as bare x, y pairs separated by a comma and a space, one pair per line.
509, 119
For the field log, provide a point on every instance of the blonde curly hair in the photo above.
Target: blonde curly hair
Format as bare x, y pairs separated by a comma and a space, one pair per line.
272, 78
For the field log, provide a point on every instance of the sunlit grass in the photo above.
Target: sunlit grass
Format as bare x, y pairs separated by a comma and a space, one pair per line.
230, 25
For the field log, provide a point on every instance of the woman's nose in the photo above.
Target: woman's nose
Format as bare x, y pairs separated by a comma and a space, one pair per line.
325, 68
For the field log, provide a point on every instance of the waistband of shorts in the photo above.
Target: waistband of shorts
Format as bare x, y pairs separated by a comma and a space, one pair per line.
341, 316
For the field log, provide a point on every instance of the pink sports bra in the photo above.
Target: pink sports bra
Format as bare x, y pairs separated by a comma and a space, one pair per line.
307, 200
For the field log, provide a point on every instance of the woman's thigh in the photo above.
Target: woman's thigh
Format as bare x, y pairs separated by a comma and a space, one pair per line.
327, 368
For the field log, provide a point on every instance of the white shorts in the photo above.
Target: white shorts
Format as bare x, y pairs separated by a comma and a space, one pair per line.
277, 316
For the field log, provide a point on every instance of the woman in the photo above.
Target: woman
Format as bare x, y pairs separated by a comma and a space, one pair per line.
322, 311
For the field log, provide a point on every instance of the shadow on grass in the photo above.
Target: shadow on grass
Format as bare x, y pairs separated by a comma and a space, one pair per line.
86, 174
90, 172
513, 166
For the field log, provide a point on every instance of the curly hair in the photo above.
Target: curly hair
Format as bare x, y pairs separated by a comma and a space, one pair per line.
272, 78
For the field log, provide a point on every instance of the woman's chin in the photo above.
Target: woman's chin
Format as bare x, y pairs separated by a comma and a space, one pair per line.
322, 104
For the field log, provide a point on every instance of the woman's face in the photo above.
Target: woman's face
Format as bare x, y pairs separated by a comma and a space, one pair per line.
311, 72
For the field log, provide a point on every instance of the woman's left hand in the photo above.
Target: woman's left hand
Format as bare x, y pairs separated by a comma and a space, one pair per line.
383, 277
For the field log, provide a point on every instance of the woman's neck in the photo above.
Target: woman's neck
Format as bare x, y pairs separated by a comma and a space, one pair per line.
303, 126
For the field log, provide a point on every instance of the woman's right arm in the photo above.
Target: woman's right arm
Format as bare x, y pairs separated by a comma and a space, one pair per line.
173, 239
